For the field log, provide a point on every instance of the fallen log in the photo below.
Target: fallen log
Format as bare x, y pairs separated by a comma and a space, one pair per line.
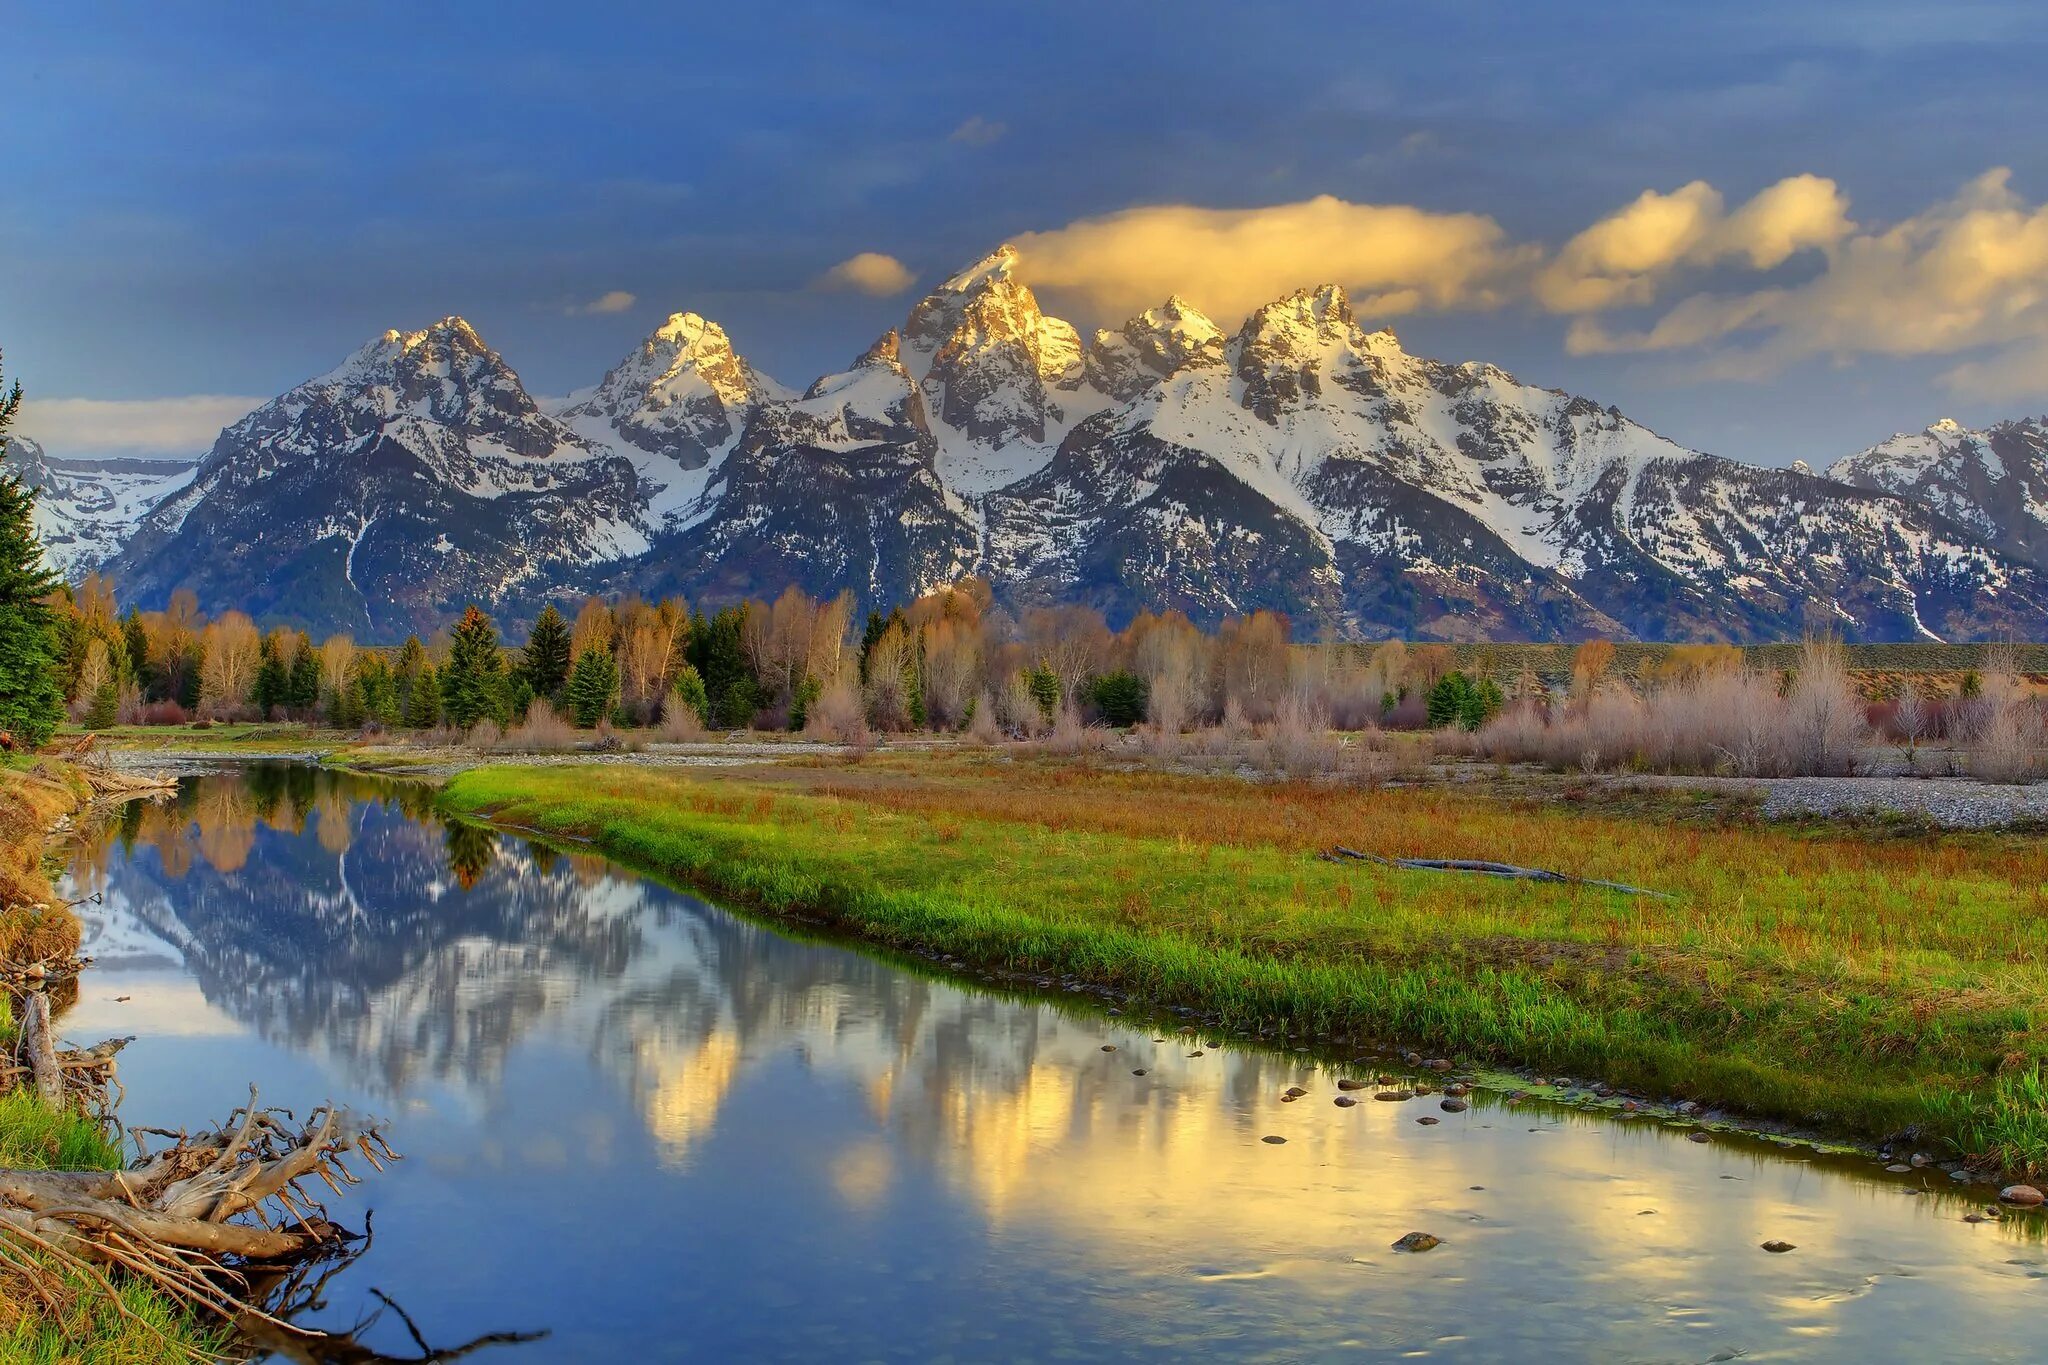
1511, 871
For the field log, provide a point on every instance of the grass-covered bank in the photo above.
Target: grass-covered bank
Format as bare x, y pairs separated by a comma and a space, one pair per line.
48, 1315
1866, 985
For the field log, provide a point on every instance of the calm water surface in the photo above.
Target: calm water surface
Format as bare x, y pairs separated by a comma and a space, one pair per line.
659, 1131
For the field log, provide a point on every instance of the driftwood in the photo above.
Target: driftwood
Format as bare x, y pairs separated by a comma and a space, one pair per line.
1488, 869
203, 1219
39, 1047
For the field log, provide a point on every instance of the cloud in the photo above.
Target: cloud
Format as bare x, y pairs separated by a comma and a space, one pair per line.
611, 301
1969, 274
1627, 257
978, 132
1395, 258
870, 272
139, 425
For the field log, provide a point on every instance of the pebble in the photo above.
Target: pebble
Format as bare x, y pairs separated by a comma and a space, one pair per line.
1344, 1101
1295, 1092
1196, 1053
2026, 1196
1418, 1241
1452, 1106
1779, 1248
1697, 1137
1276, 1141
1139, 1071
1395, 1095
1458, 1089
1436, 1064
1109, 1047
1429, 1120
1348, 1083
1899, 1168
1959, 1175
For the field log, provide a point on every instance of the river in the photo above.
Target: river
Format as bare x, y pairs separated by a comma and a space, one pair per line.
657, 1130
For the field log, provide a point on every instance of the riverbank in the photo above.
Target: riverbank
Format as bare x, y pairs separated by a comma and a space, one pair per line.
1871, 986
48, 1314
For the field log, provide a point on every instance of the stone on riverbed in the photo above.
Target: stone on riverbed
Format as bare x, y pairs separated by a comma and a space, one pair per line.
1777, 1248
1395, 1095
1418, 1241
1452, 1106
2026, 1196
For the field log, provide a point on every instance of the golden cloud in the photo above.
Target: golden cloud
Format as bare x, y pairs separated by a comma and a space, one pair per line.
1625, 258
1968, 274
870, 272
1395, 258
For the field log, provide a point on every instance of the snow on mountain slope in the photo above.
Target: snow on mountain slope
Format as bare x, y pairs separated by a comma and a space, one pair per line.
86, 509
1002, 382
834, 491
386, 495
674, 408
1994, 481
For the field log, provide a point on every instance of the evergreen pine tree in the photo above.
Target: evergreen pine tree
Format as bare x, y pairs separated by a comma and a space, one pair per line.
135, 639
593, 687
423, 702
470, 683
31, 695
688, 689
545, 660
302, 683
273, 679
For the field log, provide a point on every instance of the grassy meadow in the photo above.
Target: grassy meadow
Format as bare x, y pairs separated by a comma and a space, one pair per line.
1868, 982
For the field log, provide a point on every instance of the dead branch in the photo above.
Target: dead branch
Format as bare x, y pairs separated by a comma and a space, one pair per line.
39, 1046
1488, 869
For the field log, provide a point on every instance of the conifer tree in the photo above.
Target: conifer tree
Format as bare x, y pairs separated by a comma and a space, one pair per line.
423, 702
135, 639
273, 679
302, 683
688, 690
545, 660
31, 697
470, 689
593, 686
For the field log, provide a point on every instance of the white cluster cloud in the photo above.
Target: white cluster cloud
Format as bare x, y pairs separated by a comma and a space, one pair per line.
1627, 257
869, 272
1395, 257
611, 301
149, 426
1965, 277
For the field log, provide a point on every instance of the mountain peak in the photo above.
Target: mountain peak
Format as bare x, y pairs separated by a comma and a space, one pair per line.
887, 350
1947, 426
998, 265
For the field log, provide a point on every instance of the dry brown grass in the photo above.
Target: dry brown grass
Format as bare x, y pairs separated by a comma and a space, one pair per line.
31, 927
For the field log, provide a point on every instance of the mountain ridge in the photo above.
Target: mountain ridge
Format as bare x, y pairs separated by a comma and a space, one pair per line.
1301, 462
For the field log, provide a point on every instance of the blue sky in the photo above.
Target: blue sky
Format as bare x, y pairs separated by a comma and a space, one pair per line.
225, 200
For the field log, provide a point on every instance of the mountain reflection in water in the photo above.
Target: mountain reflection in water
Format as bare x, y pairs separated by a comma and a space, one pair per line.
666, 1132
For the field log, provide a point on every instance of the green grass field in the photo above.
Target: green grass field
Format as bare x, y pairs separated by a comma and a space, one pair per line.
1863, 985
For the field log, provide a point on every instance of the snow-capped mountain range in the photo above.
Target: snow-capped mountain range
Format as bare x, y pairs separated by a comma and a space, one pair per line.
86, 509
1301, 462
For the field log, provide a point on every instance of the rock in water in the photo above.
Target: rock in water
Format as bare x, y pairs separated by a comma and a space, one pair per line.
1777, 1248
2026, 1196
1276, 1141
1418, 1241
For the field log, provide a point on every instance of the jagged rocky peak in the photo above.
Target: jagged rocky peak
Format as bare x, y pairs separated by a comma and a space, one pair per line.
684, 393
1155, 345
990, 362
1994, 481
1283, 350
443, 374
875, 402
